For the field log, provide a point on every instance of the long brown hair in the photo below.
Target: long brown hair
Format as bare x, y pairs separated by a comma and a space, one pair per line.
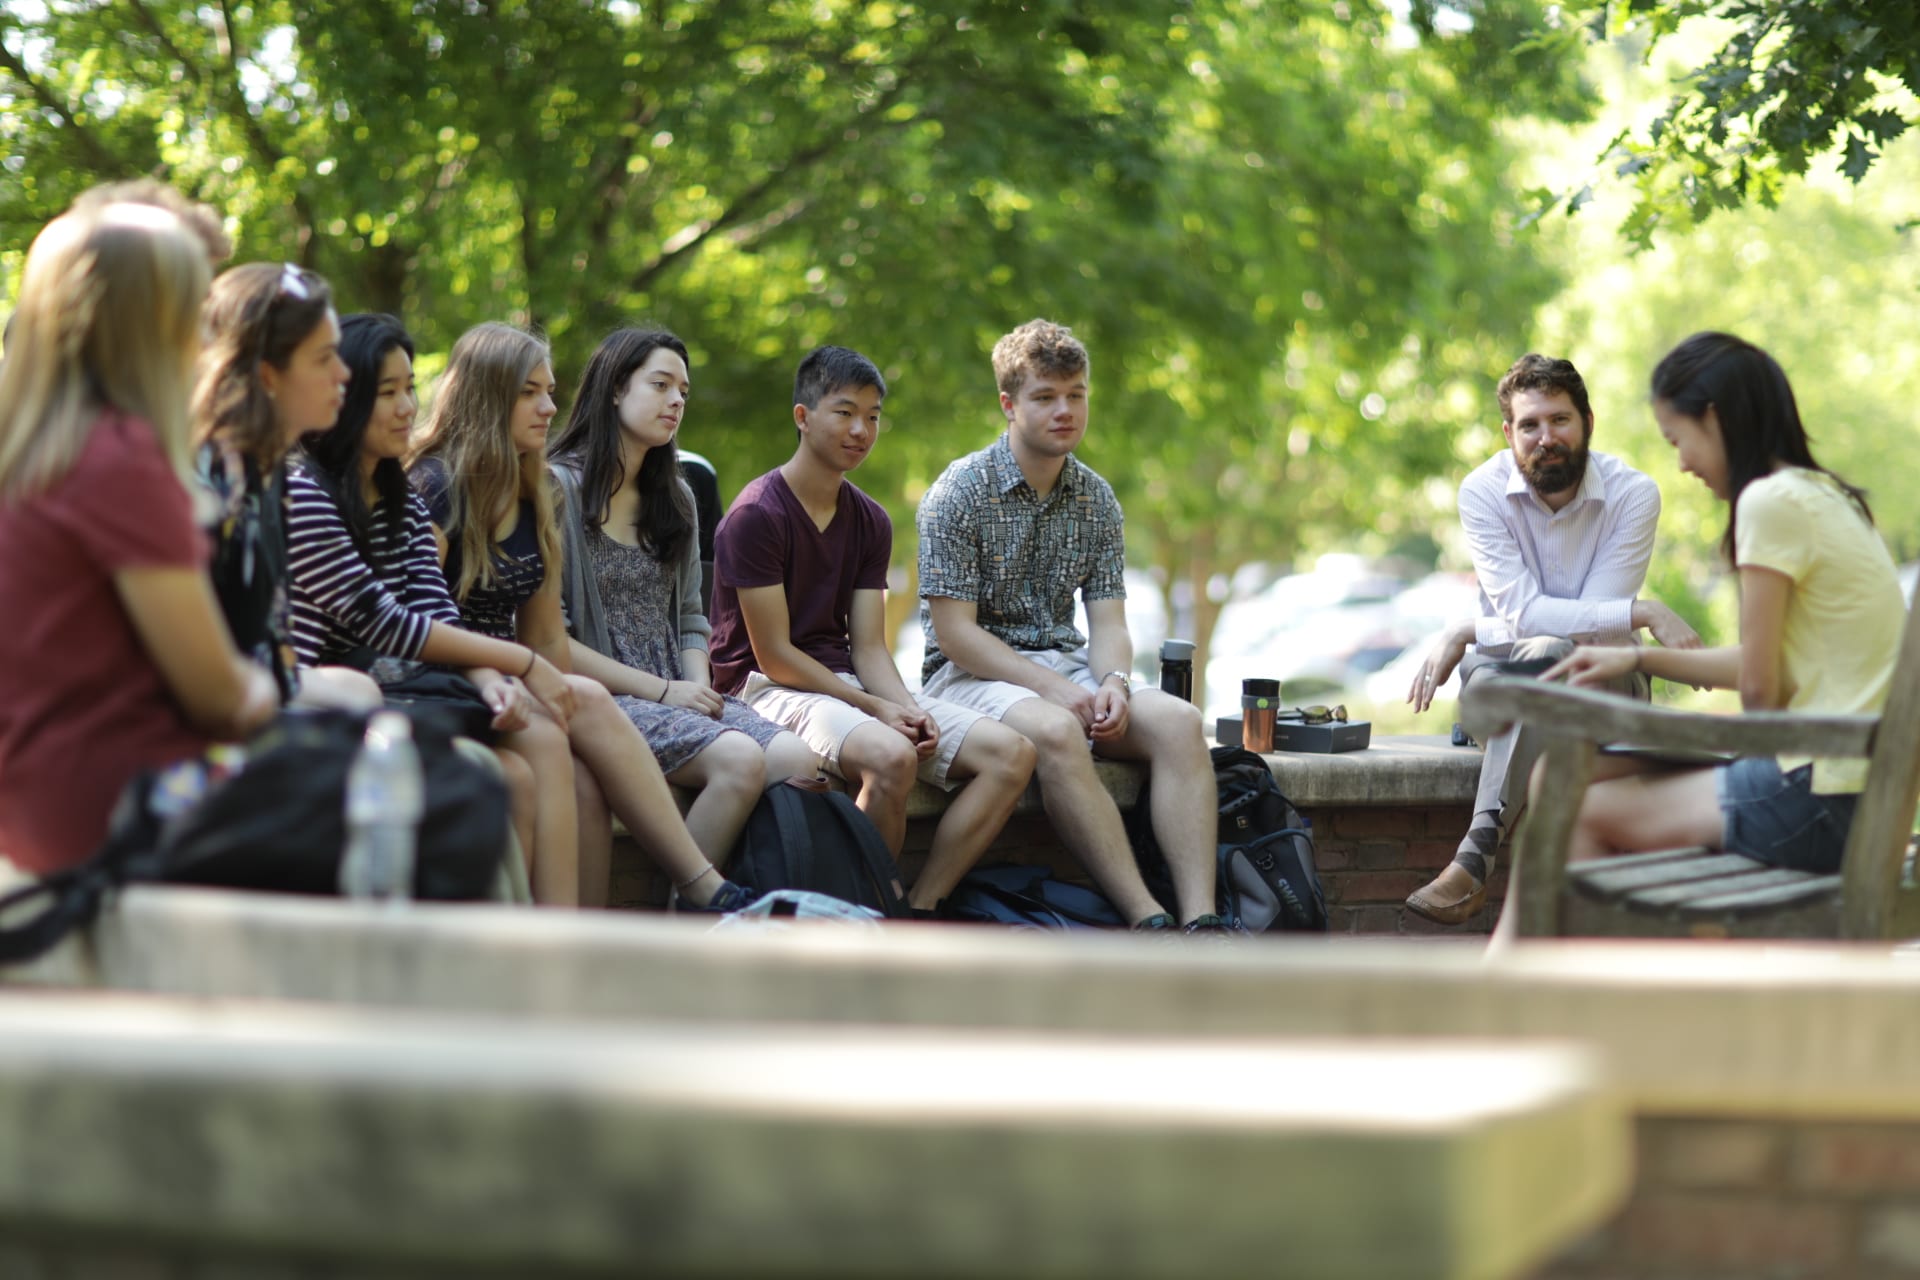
109, 313
261, 311
469, 432
664, 518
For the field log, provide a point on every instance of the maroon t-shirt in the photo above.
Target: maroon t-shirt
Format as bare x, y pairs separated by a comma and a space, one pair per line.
768, 538
82, 706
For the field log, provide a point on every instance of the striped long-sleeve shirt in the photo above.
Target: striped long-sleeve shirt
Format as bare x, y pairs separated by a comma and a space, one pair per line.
386, 601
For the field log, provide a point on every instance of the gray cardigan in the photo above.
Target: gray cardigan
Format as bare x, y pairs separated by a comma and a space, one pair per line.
580, 592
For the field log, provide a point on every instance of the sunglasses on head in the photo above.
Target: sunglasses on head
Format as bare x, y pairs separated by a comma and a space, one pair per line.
293, 282
1316, 715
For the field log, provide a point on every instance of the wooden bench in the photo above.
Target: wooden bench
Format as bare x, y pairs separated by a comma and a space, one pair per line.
1707, 892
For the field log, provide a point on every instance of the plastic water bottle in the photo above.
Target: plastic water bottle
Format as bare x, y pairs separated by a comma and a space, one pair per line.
384, 802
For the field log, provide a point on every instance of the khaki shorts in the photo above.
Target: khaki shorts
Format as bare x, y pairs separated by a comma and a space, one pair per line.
997, 697
824, 722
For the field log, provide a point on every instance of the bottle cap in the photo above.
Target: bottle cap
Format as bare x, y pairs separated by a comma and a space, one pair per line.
1176, 651
390, 726
1258, 688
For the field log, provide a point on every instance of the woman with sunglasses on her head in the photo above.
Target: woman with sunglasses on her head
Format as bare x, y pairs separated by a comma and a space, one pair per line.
633, 586
270, 374
114, 658
1820, 621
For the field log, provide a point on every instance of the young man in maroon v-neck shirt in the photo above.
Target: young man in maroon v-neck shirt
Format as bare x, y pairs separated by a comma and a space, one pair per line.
799, 607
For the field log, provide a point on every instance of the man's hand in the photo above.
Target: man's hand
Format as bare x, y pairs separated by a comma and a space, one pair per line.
1668, 627
911, 723
692, 696
1076, 698
1110, 711
1591, 665
1440, 664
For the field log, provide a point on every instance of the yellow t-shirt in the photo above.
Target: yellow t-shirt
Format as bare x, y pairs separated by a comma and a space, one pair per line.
1842, 633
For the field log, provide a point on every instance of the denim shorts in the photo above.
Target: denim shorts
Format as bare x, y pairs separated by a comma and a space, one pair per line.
1777, 819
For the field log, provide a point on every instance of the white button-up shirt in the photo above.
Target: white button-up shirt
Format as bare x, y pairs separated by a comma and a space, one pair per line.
1572, 573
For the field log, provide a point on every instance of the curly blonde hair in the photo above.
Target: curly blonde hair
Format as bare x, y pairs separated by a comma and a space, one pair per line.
1038, 346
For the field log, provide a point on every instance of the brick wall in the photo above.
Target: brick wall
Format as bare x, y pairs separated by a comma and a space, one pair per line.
1370, 858
1784, 1200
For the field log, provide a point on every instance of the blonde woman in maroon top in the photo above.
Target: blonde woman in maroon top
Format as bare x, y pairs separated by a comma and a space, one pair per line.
115, 658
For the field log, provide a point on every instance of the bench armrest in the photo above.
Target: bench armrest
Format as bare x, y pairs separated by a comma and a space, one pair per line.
1489, 707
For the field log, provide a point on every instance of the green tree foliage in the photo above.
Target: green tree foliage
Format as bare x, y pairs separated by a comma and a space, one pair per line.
1794, 80
1282, 225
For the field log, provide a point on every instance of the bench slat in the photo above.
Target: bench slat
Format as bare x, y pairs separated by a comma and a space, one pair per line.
1752, 901
1653, 859
1609, 882
1755, 876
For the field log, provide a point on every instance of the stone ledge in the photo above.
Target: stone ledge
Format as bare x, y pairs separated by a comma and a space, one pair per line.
1683, 1028
335, 1136
1411, 769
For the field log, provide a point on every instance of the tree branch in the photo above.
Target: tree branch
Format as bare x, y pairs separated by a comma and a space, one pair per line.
234, 99
745, 204
602, 184
99, 155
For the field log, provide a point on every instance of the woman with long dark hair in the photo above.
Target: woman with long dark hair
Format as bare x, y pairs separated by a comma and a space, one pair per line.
632, 586
1820, 621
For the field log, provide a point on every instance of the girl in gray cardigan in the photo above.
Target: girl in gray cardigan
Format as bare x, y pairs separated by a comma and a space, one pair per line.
632, 586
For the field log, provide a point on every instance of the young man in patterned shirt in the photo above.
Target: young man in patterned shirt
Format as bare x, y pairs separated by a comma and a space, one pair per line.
799, 604
1007, 536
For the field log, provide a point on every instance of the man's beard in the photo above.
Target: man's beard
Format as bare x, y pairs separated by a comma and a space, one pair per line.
1555, 468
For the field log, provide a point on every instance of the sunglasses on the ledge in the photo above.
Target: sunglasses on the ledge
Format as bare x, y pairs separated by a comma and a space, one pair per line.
1316, 715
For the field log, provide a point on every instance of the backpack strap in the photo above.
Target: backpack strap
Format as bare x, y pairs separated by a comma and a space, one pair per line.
796, 836
73, 900
874, 857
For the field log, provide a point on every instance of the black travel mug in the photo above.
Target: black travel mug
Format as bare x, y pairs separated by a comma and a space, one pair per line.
1176, 669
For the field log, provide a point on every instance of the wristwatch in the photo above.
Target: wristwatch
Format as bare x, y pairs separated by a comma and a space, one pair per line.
1126, 685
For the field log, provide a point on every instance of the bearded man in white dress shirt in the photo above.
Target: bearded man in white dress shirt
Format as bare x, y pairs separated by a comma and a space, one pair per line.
1560, 539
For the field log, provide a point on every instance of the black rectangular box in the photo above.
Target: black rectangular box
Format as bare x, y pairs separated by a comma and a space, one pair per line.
1291, 735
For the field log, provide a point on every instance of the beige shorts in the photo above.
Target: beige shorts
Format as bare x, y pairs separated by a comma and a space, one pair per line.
996, 697
823, 722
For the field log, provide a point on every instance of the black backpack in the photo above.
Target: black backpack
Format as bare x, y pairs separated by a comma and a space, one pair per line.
1265, 875
803, 837
1028, 898
279, 825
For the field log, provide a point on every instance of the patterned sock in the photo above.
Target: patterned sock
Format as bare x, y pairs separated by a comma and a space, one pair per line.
1476, 850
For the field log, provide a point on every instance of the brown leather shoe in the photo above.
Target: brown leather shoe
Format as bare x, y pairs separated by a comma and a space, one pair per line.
1441, 909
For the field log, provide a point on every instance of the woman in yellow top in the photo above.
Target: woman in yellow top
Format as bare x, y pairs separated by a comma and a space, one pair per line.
1820, 620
